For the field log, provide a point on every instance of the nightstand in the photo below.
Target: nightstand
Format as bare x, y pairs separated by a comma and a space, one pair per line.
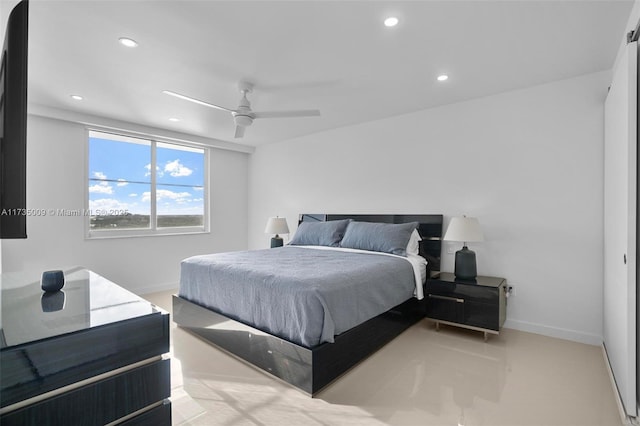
480, 304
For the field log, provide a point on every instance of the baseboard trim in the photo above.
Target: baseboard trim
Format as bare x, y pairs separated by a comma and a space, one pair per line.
626, 420
155, 288
560, 333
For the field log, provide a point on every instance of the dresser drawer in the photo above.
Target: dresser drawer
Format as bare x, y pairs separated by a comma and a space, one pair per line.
159, 416
45, 365
100, 402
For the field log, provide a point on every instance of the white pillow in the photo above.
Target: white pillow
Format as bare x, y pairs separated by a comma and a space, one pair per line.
413, 247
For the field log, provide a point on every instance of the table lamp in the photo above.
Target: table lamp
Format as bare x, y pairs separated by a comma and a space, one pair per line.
276, 225
464, 229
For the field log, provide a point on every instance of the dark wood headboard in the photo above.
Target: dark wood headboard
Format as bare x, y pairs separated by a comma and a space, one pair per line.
430, 229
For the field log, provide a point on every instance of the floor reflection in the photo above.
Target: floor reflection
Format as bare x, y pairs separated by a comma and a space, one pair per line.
439, 375
424, 377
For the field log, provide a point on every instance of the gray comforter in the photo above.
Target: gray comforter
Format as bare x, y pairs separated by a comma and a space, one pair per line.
303, 295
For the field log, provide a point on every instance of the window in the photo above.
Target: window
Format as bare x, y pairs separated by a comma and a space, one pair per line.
142, 186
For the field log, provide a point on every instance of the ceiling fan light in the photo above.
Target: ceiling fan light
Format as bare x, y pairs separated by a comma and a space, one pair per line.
128, 42
391, 21
243, 120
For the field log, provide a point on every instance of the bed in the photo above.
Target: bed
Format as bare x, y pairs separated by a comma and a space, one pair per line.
329, 331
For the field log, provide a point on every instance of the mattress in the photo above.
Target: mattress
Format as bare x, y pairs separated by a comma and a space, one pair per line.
304, 295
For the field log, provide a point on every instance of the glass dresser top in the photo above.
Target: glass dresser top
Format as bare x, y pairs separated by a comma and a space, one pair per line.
87, 300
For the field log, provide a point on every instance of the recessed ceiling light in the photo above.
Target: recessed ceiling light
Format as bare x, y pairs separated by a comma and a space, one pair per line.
174, 119
443, 77
128, 42
391, 21
77, 97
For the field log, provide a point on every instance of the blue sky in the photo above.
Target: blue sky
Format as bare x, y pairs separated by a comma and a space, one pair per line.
120, 176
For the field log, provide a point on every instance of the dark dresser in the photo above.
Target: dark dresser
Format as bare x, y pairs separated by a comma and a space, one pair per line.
479, 304
90, 354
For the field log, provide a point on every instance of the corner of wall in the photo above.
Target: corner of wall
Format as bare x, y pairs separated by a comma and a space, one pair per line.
634, 17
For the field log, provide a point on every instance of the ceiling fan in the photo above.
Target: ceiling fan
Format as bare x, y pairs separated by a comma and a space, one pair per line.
243, 116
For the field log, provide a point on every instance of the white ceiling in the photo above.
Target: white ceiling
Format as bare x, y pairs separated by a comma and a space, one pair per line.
336, 56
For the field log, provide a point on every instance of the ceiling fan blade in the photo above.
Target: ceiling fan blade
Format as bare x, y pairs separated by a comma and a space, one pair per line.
239, 132
195, 101
283, 114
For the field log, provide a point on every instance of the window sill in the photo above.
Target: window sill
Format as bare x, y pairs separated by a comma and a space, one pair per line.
136, 233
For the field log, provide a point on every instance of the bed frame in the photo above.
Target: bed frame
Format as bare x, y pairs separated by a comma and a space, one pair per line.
311, 369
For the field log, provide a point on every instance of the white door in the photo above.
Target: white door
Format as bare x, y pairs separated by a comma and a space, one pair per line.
620, 195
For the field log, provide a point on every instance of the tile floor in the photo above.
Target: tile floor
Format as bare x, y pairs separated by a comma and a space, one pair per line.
423, 377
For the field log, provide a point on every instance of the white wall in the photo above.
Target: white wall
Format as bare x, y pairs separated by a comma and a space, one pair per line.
527, 163
55, 179
6, 6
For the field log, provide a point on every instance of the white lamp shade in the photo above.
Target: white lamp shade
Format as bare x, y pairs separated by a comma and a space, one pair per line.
465, 229
276, 225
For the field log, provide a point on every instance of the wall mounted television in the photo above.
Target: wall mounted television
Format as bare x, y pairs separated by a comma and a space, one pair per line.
13, 125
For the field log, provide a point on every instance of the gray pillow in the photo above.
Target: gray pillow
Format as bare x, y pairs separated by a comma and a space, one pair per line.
382, 237
320, 233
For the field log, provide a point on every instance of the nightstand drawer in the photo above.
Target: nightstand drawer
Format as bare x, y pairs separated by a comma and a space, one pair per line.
445, 308
468, 292
479, 304
482, 315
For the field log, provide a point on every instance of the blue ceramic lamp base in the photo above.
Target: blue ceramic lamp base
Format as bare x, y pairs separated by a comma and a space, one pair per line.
465, 268
277, 241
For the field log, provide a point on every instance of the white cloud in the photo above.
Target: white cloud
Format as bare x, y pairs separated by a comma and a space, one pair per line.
133, 195
198, 188
176, 169
122, 182
165, 194
101, 188
107, 204
159, 173
177, 210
